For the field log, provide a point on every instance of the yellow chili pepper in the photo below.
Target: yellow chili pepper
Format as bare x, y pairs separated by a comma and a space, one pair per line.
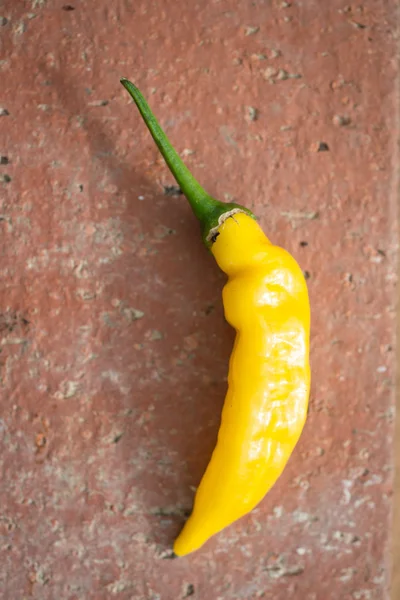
266, 301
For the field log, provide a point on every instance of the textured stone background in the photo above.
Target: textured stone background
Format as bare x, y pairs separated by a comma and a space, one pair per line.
114, 349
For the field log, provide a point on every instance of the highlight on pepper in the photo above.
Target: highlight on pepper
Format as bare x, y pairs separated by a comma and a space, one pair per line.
266, 301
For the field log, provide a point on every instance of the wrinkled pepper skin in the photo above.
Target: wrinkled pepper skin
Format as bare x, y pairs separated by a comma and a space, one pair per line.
266, 301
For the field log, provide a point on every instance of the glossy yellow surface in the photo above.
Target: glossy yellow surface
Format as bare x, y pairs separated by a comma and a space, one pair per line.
266, 301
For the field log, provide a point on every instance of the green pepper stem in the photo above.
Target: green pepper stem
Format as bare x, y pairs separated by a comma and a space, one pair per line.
206, 208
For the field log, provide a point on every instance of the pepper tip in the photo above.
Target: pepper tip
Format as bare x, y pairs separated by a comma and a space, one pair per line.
126, 82
170, 555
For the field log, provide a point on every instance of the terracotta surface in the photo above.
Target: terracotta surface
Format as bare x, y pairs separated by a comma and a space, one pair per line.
396, 534
114, 348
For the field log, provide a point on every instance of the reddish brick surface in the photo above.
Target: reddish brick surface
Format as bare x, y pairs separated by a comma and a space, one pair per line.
114, 349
